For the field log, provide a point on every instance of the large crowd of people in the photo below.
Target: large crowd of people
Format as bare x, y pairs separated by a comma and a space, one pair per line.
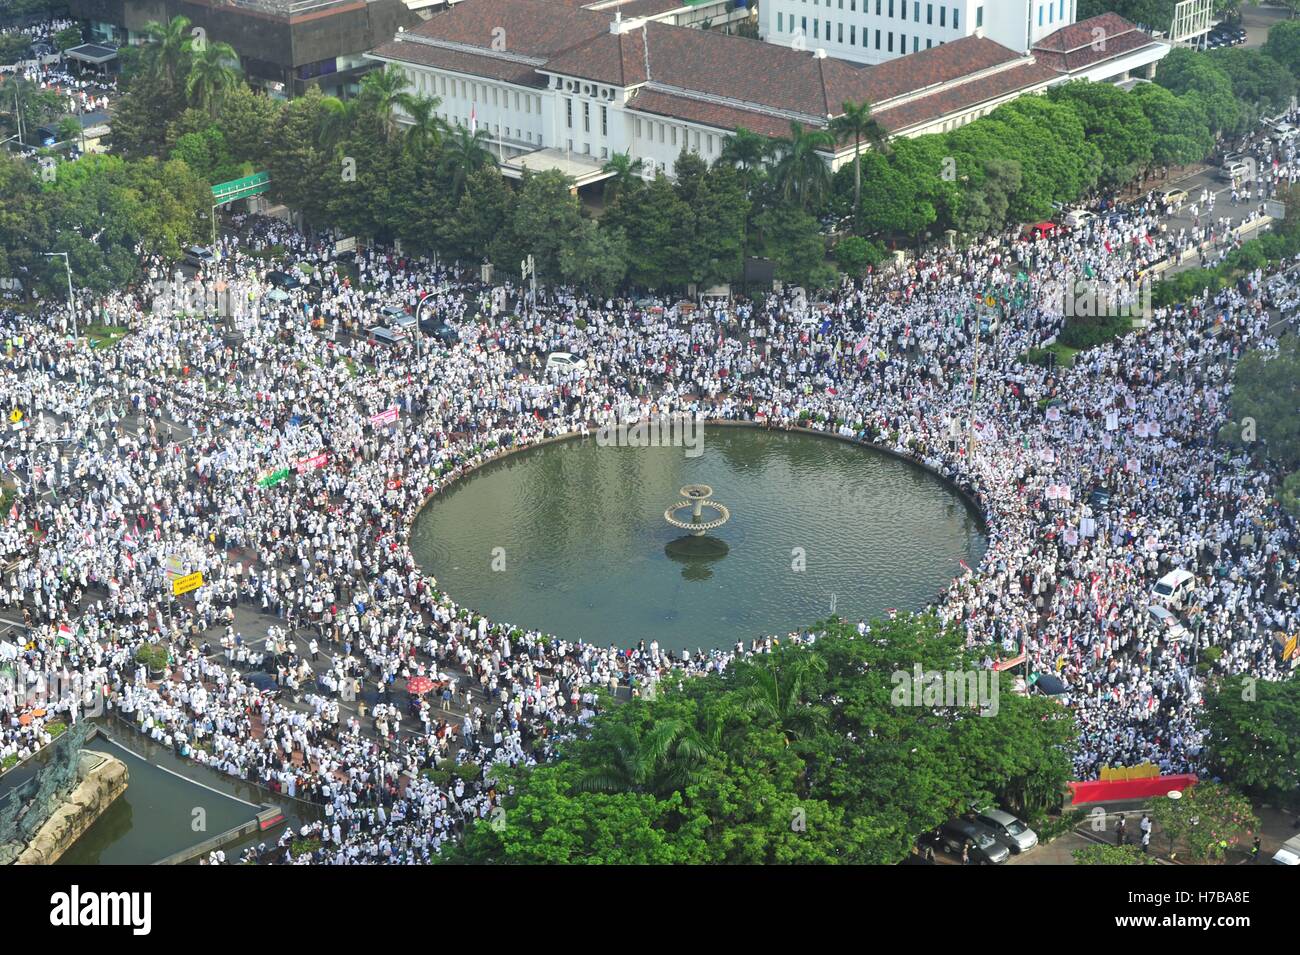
165, 453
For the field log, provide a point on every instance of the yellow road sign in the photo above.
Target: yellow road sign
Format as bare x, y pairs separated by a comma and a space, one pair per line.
183, 585
16, 415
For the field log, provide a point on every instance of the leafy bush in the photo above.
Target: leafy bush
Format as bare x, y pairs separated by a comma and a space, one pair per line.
152, 655
1094, 331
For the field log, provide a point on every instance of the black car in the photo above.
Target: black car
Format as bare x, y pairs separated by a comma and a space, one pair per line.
284, 280
432, 325
984, 847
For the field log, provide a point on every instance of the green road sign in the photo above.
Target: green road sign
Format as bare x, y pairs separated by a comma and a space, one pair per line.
253, 185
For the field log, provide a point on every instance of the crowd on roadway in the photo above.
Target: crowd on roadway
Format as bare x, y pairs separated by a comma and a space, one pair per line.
166, 454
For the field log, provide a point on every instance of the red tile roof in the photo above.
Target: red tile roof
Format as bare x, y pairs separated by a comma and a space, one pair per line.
925, 109
701, 76
1082, 34
1090, 42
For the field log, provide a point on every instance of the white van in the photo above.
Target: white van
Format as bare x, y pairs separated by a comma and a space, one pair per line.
564, 361
1076, 218
1174, 588
1289, 854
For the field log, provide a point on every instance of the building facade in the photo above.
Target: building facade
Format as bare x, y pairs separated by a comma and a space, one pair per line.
875, 31
284, 46
555, 84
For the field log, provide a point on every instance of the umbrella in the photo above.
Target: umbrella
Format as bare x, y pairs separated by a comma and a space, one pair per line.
419, 685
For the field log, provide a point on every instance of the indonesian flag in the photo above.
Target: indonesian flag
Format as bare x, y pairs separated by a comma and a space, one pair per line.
65, 630
473, 119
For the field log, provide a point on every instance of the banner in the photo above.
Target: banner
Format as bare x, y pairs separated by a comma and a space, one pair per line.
384, 417
304, 465
273, 478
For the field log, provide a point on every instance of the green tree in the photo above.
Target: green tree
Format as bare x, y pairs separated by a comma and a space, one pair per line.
1208, 820
853, 254
1267, 390
799, 169
24, 223
625, 174
857, 124
1186, 72
1180, 125
463, 154
546, 220
703, 773
212, 76
775, 689
1256, 77
790, 237
746, 150
658, 759
1283, 45
658, 225
166, 52
595, 258
1115, 123
1250, 736
485, 208
426, 127
246, 122
384, 92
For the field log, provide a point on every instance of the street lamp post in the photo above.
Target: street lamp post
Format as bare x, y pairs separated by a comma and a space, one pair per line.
419, 332
528, 272
72, 309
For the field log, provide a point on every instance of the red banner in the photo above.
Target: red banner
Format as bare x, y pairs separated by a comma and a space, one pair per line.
1098, 790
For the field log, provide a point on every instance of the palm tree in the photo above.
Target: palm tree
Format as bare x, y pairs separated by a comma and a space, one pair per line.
336, 118
167, 45
774, 690
856, 123
659, 760
801, 174
463, 154
427, 127
384, 90
211, 77
625, 174
745, 149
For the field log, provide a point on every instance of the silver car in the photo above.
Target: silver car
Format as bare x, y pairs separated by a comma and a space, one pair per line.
389, 336
1008, 830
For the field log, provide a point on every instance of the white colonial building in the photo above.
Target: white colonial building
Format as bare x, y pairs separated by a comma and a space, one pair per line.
556, 84
873, 31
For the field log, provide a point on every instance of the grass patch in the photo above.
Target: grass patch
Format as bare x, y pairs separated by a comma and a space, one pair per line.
1038, 356
6, 499
103, 336
8, 762
56, 729
300, 847
270, 252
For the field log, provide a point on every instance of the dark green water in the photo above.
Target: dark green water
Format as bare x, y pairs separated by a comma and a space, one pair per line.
158, 815
587, 554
